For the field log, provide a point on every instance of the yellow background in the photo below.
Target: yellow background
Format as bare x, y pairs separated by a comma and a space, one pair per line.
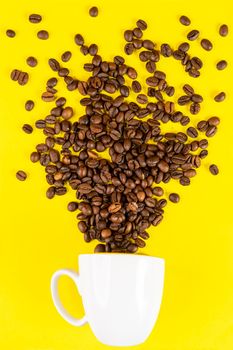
39, 236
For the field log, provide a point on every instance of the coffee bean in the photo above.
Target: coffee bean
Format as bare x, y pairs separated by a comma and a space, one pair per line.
196, 98
170, 90
66, 56
48, 96
136, 86
21, 77
184, 181
188, 90
202, 125
150, 66
93, 12
106, 233
184, 47
132, 74
21, 175
27, 128
185, 20
166, 50
132, 248
190, 173
137, 33
158, 191
142, 99
214, 121
93, 49
35, 18
213, 169
40, 124
192, 132
221, 65
100, 248
195, 108
184, 120
183, 100
54, 64
10, 33
72, 206
29, 105
52, 82
203, 143
203, 154
114, 207
211, 131
34, 157
32, 61
174, 197
60, 191
223, 30
79, 39
15, 74
141, 24
193, 35
43, 35
206, 44
220, 97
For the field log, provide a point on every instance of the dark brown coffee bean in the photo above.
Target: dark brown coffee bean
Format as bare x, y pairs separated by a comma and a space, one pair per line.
190, 173
188, 90
141, 24
29, 105
202, 125
142, 99
184, 120
132, 74
184, 181
100, 248
158, 191
150, 66
148, 44
185, 20
132, 248
106, 233
15, 74
66, 56
196, 98
194, 73
195, 108
48, 96
72, 206
23, 78
79, 39
54, 64
214, 121
220, 97
183, 100
206, 44
184, 47
93, 49
136, 86
40, 124
213, 169
179, 55
221, 65
211, 131
166, 50
128, 35
93, 12
114, 207
10, 33
35, 18
203, 143
21, 175
174, 197
223, 30
27, 128
192, 132
193, 35
32, 61
50, 193
67, 113
34, 157
203, 154
52, 82
137, 33
43, 35
60, 191
170, 90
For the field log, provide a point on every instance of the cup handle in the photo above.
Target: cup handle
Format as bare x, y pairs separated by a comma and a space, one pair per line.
56, 299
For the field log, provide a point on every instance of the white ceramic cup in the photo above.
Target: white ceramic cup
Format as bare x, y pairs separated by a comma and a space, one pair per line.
121, 294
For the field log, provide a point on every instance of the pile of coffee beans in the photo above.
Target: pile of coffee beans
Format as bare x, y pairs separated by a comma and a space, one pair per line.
119, 198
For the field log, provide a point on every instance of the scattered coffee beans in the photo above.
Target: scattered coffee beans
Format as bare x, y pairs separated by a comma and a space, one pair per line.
223, 30
43, 35
10, 33
185, 20
206, 44
174, 197
93, 12
214, 169
66, 56
32, 61
35, 18
220, 97
193, 35
221, 65
27, 128
21, 175
29, 105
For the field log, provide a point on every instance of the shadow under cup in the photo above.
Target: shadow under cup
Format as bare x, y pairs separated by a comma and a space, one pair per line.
121, 294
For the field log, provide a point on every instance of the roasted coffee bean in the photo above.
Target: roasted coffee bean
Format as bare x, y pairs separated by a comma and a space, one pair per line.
34, 157
214, 121
60, 191
27, 128
114, 207
142, 99
54, 64
67, 113
100, 248
48, 96
184, 120
203, 143
21, 77
72, 206
220, 97
106, 233
66, 56
93, 12
166, 50
184, 47
132, 248
190, 173
15, 74
192, 132
213, 169
174, 197
203, 154
32, 61
170, 90
206, 44
10, 33
211, 131
141, 24
195, 108
137, 32
35, 18
183, 100
185, 20
158, 191
202, 125
43, 35
196, 98
131, 72
150, 66
223, 30
184, 181
21, 175
221, 65
79, 39
52, 82
136, 86
193, 35
128, 35
29, 105
188, 90
148, 44
93, 49
40, 124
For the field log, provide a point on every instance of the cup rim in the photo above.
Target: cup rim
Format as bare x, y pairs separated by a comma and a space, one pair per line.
132, 256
